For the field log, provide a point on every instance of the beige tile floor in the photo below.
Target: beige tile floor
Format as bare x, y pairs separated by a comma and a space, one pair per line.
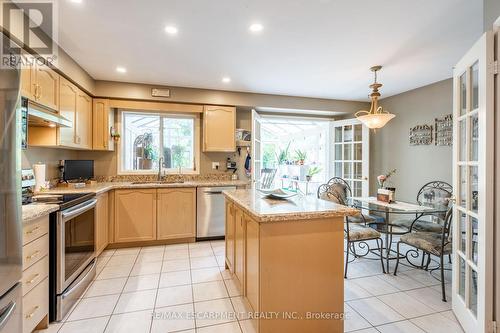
188, 282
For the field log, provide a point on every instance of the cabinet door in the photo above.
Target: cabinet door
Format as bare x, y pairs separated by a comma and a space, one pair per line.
47, 82
219, 128
239, 248
230, 235
252, 262
102, 120
176, 213
101, 223
68, 96
84, 120
28, 77
135, 215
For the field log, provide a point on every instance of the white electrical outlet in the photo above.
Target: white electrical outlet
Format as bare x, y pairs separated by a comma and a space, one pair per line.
215, 165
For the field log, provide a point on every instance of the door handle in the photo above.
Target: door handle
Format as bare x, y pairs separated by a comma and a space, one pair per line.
6, 313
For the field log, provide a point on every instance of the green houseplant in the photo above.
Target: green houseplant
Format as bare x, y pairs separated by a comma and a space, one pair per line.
283, 155
312, 171
300, 156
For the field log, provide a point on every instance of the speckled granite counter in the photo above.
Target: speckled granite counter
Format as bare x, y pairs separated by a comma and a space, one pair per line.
34, 211
107, 186
296, 208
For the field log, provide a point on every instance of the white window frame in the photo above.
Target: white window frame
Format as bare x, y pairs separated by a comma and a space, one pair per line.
196, 149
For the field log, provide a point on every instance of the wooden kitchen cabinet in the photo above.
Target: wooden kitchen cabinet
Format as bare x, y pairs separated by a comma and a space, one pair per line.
83, 129
176, 218
102, 121
239, 247
47, 90
68, 96
252, 262
101, 223
219, 128
229, 243
28, 77
134, 215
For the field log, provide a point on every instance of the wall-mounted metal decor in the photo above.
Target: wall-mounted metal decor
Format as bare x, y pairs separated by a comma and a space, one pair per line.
443, 135
421, 135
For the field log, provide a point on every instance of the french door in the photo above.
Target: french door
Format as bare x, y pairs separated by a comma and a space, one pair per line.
473, 164
256, 149
350, 142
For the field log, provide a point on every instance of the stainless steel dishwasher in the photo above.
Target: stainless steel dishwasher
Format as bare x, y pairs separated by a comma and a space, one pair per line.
210, 212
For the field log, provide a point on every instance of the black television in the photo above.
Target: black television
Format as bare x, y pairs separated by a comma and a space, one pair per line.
78, 170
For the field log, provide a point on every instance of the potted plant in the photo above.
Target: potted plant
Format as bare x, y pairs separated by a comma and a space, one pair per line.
381, 179
312, 171
300, 156
148, 152
283, 155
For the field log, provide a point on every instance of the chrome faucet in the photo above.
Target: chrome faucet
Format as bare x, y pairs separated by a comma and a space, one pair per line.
160, 164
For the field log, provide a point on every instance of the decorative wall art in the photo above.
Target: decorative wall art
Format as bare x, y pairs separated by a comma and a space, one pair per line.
443, 135
421, 135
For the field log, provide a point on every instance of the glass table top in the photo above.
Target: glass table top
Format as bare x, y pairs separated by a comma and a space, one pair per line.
398, 207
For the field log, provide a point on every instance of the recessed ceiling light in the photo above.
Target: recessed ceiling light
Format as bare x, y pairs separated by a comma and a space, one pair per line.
120, 69
226, 79
256, 27
76, 1
171, 30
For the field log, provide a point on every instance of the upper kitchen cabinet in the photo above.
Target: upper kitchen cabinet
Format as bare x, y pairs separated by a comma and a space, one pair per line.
83, 128
102, 122
40, 83
219, 128
68, 93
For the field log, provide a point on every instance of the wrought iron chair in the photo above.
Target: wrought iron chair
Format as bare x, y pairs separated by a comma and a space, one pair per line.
431, 243
355, 228
437, 193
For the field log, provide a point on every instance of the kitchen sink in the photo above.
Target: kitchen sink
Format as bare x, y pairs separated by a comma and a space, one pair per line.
158, 182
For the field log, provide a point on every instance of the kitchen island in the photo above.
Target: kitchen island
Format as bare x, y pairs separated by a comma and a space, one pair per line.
287, 259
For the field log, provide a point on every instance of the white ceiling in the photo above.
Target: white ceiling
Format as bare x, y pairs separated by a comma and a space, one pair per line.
314, 48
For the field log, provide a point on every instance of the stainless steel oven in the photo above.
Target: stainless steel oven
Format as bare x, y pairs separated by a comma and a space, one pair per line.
75, 253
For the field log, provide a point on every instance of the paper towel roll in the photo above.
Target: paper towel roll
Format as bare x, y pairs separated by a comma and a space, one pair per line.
39, 171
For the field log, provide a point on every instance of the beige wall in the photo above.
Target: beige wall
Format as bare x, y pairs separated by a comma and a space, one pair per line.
219, 97
491, 10
390, 148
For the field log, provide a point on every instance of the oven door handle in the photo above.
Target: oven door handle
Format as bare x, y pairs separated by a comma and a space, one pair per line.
78, 209
81, 279
6, 313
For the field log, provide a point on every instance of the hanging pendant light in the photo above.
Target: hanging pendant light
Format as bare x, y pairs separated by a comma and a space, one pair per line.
377, 117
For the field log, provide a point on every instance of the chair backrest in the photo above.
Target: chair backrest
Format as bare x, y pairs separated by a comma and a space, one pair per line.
336, 190
446, 233
436, 192
267, 177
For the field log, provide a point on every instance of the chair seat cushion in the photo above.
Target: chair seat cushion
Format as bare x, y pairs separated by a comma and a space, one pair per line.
425, 226
359, 232
426, 241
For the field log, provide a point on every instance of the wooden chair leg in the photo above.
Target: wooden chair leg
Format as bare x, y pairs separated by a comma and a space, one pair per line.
441, 262
397, 259
346, 259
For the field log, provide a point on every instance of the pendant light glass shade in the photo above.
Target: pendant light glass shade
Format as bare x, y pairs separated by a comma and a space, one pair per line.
377, 117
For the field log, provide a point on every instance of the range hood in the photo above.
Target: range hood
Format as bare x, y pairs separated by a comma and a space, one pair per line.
39, 115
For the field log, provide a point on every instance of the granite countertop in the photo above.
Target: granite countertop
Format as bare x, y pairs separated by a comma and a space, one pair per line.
34, 211
107, 186
296, 208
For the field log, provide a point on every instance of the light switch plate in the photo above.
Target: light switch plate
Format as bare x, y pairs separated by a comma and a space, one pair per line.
215, 165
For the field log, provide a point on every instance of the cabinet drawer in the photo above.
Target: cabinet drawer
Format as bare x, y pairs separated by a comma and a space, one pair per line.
35, 251
35, 229
36, 273
35, 306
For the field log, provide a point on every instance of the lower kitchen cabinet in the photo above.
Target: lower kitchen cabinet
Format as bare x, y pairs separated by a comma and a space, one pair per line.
230, 236
101, 223
252, 262
176, 218
239, 247
135, 215
35, 285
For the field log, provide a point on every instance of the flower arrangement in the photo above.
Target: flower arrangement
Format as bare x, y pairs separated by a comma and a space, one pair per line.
383, 178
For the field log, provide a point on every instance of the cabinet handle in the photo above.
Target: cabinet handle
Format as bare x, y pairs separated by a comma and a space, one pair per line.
33, 279
28, 316
39, 91
34, 255
32, 230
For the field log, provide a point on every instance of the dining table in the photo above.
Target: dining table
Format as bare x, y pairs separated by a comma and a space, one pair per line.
413, 211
